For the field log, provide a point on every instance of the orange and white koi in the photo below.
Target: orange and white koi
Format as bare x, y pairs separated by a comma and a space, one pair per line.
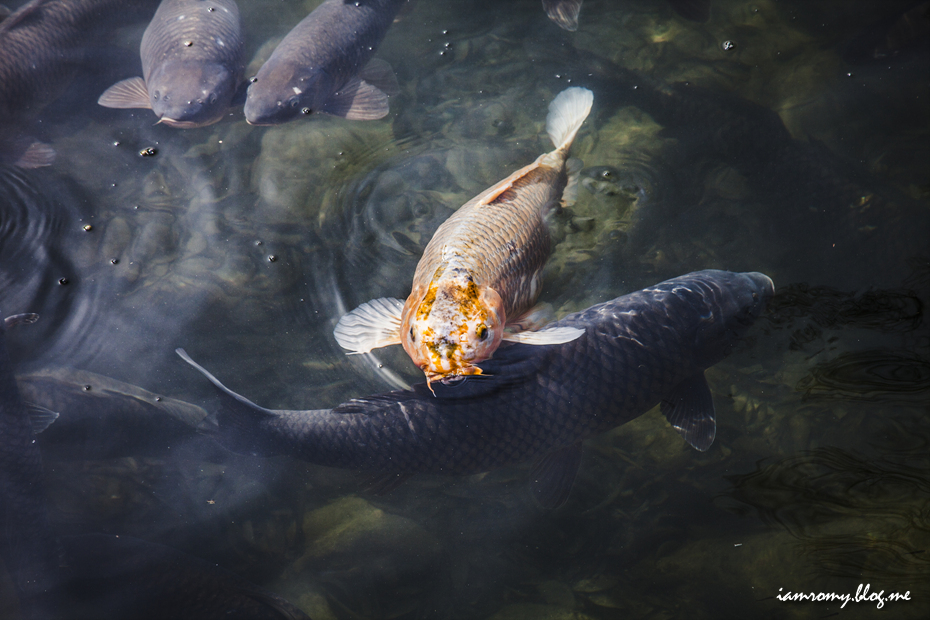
480, 273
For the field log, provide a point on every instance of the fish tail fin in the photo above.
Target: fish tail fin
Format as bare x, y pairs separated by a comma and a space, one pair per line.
566, 114
237, 423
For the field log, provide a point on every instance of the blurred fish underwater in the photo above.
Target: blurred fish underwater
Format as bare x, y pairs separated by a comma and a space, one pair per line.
780, 137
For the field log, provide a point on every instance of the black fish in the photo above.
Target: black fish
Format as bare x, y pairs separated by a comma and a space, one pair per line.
27, 545
124, 577
637, 351
322, 65
41, 46
191, 63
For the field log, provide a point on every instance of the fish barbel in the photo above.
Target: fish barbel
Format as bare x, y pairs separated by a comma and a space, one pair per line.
481, 270
191, 64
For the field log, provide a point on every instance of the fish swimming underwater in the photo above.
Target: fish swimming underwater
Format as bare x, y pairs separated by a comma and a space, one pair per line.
322, 66
42, 46
102, 418
191, 62
28, 547
646, 348
480, 271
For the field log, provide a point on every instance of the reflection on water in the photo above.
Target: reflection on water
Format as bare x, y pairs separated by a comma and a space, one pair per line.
245, 245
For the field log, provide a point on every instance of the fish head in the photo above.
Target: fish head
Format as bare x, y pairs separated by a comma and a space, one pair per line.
451, 327
282, 92
734, 302
189, 94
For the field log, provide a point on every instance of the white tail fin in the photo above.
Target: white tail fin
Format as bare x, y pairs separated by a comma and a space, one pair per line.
566, 114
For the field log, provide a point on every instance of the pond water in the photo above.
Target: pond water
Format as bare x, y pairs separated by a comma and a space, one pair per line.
768, 138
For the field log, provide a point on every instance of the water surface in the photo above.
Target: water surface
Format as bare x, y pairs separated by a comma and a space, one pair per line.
751, 142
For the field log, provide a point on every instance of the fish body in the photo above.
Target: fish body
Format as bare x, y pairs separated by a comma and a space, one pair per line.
42, 45
27, 545
636, 351
123, 419
322, 66
191, 64
481, 270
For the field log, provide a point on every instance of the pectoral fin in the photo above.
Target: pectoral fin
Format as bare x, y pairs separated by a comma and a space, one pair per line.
40, 417
358, 101
690, 411
373, 324
554, 474
129, 93
563, 12
379, 74
553, 335
35, 155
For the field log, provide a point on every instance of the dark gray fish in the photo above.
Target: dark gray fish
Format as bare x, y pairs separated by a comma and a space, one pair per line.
27, 545
102, 418
41, 47
565, 12
637, 351
124, 577
191, 64
322, 66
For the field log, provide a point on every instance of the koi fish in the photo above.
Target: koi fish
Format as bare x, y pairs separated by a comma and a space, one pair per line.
480, 273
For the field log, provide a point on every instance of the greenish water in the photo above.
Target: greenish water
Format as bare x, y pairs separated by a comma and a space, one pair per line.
244, 245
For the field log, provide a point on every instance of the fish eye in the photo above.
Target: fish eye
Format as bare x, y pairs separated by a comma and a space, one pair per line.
482, 332
213, 98
413, 336
606, 174
253, 79
306, 111
156, 95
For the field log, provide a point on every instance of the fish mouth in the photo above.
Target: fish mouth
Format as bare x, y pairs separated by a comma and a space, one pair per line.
452, 376
164, 120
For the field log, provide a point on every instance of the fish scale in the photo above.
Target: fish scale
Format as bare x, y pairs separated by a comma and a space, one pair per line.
319, 59
481, 237
178, 22
531, 400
